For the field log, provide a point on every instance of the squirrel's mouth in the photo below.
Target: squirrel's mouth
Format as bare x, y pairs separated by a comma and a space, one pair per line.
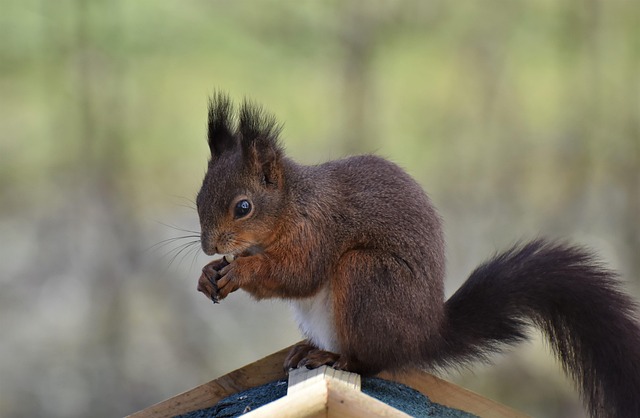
255, 249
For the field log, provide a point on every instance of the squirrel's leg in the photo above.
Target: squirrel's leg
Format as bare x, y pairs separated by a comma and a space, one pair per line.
379, 322
262, 277
378, 326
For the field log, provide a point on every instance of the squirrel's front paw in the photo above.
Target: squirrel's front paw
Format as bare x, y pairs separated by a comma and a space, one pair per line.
227, 283
208, 283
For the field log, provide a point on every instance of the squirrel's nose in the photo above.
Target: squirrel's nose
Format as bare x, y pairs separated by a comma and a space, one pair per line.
209, 247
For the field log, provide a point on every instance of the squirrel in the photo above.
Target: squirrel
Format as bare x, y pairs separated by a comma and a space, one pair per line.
357, 248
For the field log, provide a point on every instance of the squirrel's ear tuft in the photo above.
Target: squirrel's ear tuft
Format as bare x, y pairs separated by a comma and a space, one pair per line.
259, 132
220, 134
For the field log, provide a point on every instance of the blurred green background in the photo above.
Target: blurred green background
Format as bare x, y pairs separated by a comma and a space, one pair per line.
519, 118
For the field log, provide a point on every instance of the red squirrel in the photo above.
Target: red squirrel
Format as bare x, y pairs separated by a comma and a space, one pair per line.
357, 248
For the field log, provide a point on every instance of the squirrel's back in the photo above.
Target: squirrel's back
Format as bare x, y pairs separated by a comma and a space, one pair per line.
383, 207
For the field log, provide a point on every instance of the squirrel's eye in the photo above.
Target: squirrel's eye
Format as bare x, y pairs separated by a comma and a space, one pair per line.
242, 209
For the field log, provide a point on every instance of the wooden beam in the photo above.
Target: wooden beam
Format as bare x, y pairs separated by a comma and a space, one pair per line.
351, 403
308, 402
326, 396
303, 377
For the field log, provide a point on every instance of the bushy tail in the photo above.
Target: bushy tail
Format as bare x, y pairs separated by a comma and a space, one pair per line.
591, 323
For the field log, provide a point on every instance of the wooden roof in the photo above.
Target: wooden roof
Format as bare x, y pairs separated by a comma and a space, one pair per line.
323, 395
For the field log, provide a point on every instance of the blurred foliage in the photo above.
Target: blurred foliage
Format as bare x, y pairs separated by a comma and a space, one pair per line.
519, 118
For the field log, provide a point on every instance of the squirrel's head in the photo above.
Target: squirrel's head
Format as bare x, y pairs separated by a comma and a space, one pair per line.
243, 191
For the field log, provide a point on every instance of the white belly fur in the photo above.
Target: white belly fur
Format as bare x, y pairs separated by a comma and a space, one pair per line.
315, 319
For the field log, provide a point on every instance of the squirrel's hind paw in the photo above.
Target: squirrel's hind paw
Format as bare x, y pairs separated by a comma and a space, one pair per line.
307, 355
